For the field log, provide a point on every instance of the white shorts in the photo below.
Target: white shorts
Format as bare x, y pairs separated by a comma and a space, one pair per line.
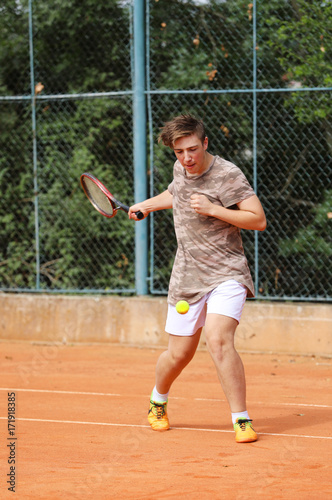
227, 299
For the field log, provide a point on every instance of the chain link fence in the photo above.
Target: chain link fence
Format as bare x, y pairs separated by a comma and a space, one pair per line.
258, 73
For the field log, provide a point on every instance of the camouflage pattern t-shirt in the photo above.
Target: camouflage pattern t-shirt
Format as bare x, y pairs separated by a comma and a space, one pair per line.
210, 251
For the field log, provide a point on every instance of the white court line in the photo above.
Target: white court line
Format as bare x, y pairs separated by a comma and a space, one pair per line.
266, 403
61, 392
304, 404
196, 429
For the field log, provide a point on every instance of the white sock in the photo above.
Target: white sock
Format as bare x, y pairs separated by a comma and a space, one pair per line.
240, 414
158, 398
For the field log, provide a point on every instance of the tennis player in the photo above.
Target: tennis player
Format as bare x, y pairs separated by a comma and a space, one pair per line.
212, 201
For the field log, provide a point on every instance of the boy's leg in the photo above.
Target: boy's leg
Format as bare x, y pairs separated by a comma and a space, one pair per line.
219, 333
169, 366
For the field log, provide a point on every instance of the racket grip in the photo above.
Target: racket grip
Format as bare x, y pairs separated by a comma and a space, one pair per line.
139, 215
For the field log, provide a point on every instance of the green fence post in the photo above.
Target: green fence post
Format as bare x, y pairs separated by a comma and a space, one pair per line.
254, 55
34, 147
140, 147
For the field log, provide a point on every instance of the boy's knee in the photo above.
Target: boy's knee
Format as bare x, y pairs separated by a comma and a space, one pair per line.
181, 357
218, 345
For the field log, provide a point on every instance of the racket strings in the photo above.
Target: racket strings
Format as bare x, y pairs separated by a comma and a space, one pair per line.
99, 198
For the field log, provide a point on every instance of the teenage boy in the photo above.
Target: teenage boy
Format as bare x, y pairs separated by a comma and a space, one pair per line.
211, 200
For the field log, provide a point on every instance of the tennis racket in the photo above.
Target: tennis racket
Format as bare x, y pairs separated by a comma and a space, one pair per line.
101, 198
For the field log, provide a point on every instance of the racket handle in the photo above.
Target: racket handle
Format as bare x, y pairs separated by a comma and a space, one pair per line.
139, 215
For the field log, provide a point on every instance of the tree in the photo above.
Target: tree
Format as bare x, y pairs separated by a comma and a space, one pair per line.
303, 47
85, 47
78, 47
309, 253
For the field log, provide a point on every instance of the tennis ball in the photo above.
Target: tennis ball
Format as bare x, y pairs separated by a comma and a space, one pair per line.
182, 307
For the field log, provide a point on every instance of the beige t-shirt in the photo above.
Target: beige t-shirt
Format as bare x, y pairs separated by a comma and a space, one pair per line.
210, 251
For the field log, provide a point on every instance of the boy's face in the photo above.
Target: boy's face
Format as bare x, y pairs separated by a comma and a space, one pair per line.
191, 153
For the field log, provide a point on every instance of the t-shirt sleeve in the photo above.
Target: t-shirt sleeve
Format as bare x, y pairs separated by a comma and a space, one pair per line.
171, 187
235, 187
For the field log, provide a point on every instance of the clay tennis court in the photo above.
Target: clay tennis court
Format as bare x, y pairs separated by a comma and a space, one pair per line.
82, 431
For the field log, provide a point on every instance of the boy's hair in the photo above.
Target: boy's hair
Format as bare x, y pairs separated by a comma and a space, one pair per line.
181, 126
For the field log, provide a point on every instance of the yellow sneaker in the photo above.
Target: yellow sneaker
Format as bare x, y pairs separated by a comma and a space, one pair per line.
244, 431
157, 416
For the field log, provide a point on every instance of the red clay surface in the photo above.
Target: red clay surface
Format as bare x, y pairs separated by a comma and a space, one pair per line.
82, 430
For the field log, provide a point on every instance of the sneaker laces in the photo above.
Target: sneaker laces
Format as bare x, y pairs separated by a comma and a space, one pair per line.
243, 423
159, 409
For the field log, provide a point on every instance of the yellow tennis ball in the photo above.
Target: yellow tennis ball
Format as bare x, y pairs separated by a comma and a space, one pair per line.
182, 307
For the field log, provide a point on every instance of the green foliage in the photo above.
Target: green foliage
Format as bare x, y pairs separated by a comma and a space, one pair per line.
315, 239
82, 46
14, 48
307, 256
200, 46
85, 46
303, 46
72, 137
88, 137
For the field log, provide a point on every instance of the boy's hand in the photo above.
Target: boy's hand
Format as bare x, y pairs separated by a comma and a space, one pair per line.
201, 204
137, 208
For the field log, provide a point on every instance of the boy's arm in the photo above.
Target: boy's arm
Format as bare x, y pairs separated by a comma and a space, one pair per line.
162, 201
249, 216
